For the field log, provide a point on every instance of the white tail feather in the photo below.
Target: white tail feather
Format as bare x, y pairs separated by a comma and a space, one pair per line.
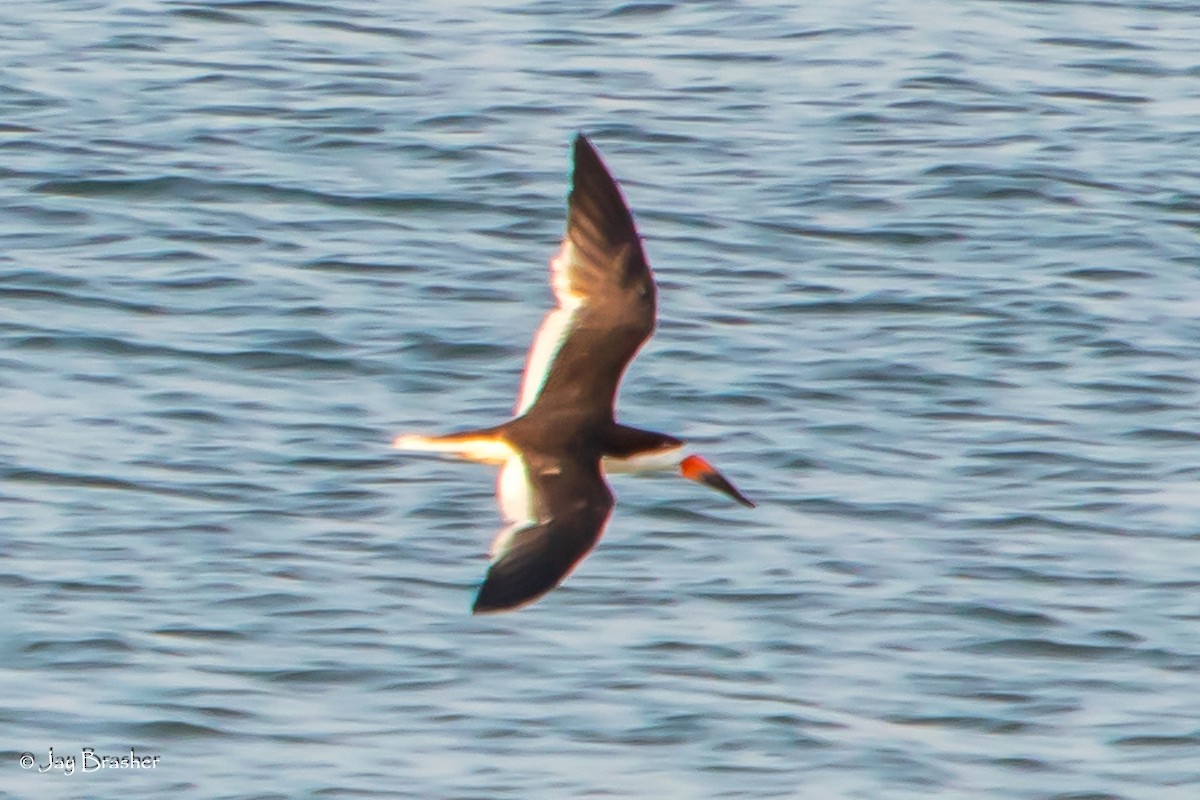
484, 450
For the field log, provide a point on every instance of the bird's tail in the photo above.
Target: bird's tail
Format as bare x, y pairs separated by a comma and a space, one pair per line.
486, 446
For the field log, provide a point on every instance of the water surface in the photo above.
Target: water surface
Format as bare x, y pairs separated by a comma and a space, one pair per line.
929, 284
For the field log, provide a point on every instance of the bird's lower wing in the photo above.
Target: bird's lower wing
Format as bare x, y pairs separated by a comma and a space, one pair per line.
537, 558
556, 511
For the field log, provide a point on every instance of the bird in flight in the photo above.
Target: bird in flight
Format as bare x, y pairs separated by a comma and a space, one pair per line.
563, 438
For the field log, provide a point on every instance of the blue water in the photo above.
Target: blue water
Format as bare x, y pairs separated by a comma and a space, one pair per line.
930, 294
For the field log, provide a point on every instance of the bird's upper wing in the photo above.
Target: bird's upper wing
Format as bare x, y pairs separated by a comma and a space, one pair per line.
556, 509
605, 293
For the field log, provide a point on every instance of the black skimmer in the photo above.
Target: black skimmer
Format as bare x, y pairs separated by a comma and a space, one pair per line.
554, 453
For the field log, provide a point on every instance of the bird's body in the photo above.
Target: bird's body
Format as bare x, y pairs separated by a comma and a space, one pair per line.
554, 453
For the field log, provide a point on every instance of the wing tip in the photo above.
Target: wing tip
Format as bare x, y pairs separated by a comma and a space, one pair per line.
536, 561
520, 573
497, 595
587, 157
598, 212
583, 144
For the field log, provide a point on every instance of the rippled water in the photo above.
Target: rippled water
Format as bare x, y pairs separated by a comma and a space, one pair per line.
930, 293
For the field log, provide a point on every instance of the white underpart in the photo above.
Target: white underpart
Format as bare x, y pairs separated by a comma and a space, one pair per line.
554, 329
487, 451
659, 461
515, 497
